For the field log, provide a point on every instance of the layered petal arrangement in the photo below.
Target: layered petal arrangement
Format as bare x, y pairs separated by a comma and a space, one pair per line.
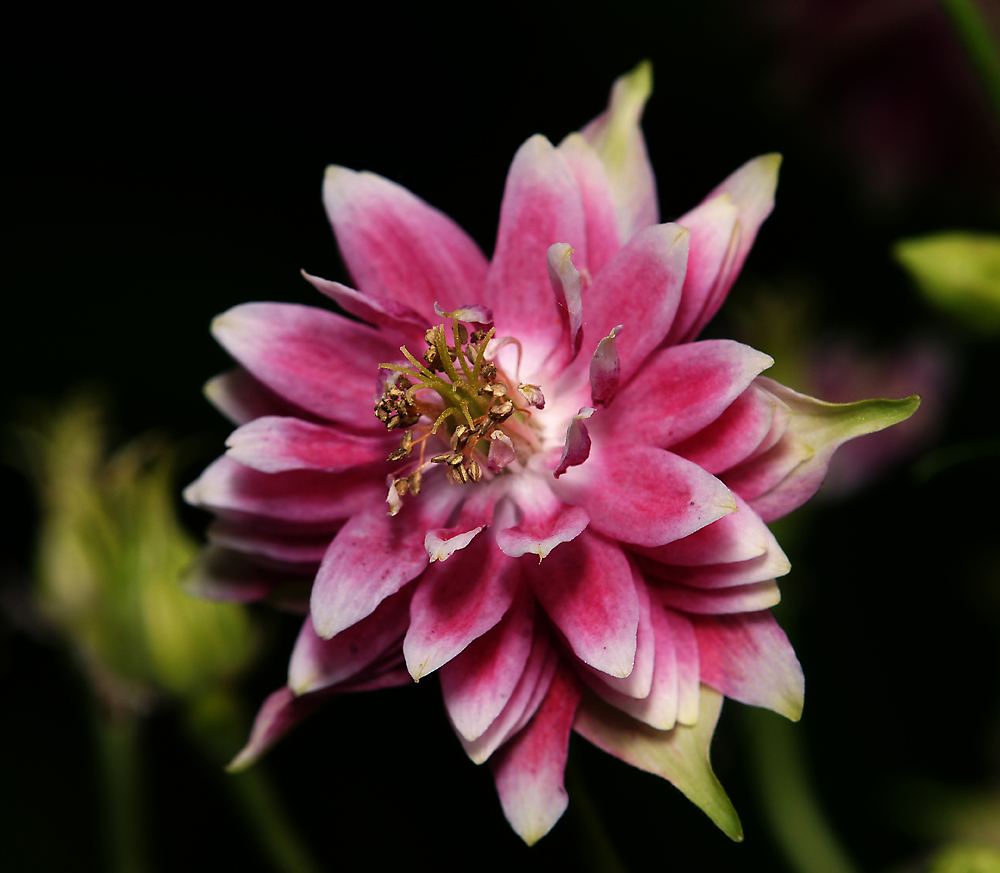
525, 474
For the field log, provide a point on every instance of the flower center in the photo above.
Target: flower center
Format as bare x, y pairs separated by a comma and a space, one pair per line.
458, 386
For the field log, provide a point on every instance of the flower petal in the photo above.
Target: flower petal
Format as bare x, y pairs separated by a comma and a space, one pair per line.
304, 546
605, 370
528, 770
603, 235
683, 389
541, 206
379, 311
309, 356
478, 683
738, 536
760, 569
748, 658
305, 496
586, 589
679, 755
751, 190
455, 603
540, 535
277, 716
274, 444
721, 601
241, 398
617, 138
638, 288
576, 449
317, 663
396, 246
219, 573
643, 495
688, 665
566, 281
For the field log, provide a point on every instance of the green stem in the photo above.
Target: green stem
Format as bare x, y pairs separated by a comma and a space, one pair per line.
788, 799
979, 44
596, 849
118, 743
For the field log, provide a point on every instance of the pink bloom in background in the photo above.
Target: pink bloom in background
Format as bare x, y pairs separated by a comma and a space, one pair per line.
570, 528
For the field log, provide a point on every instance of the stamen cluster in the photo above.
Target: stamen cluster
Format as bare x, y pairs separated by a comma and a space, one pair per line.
477, 405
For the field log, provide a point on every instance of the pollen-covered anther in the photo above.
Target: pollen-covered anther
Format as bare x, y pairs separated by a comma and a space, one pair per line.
533, 395
502, 412
405, 447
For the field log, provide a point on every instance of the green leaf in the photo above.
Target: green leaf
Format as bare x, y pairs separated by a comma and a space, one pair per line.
680, 755
959, 273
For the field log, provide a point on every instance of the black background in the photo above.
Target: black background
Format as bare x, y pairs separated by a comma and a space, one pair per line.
166, 164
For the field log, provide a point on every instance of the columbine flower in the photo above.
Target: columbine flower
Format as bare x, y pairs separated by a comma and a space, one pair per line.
559, 500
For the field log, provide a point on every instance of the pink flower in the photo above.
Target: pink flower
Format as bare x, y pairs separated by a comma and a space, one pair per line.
574, 535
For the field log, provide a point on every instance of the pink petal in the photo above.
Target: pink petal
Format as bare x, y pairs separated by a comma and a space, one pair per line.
616, 136
305, 496
603, 235
683, 389
379, 311
751, 190
241, 398
479, 682
721, 601
528, 770
638, 683
501, 452
273, 444
642, 495
760, 569
372, 557
539, 535
396, 246
443, 542
541, 206
279, 714
605, 370
734, 436
292, 547
317, 663
455, 603
223, 574
586, 589
316, 359
738, 536
639, 288
576, 449
527, 696
688, 664
748, 658
566, 281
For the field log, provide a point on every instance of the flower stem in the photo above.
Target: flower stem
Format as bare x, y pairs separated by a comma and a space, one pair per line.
980, 44
118, 745
596, 849
788, 800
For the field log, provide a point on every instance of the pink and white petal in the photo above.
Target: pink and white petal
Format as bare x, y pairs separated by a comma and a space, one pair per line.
317, 663
229, 488
274, 444
527, 696
639, 288
715, 237
721, 601
683, 389
603, 235
539, 535
529, 769
638, 683
277, 716
372, 557
541, 206
219, 573
457, 602
479, 682
397, 247
384, 312
605, 370
688, 664
762, 472
739, 536
567, 282
241, 398
307, 547
748, 658
576, 449
315, 359
586, 588
680, 755
770, 565
616, 136
734, 436
751, 190
643, 495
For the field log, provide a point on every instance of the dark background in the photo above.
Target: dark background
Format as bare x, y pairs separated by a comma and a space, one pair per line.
167, 165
